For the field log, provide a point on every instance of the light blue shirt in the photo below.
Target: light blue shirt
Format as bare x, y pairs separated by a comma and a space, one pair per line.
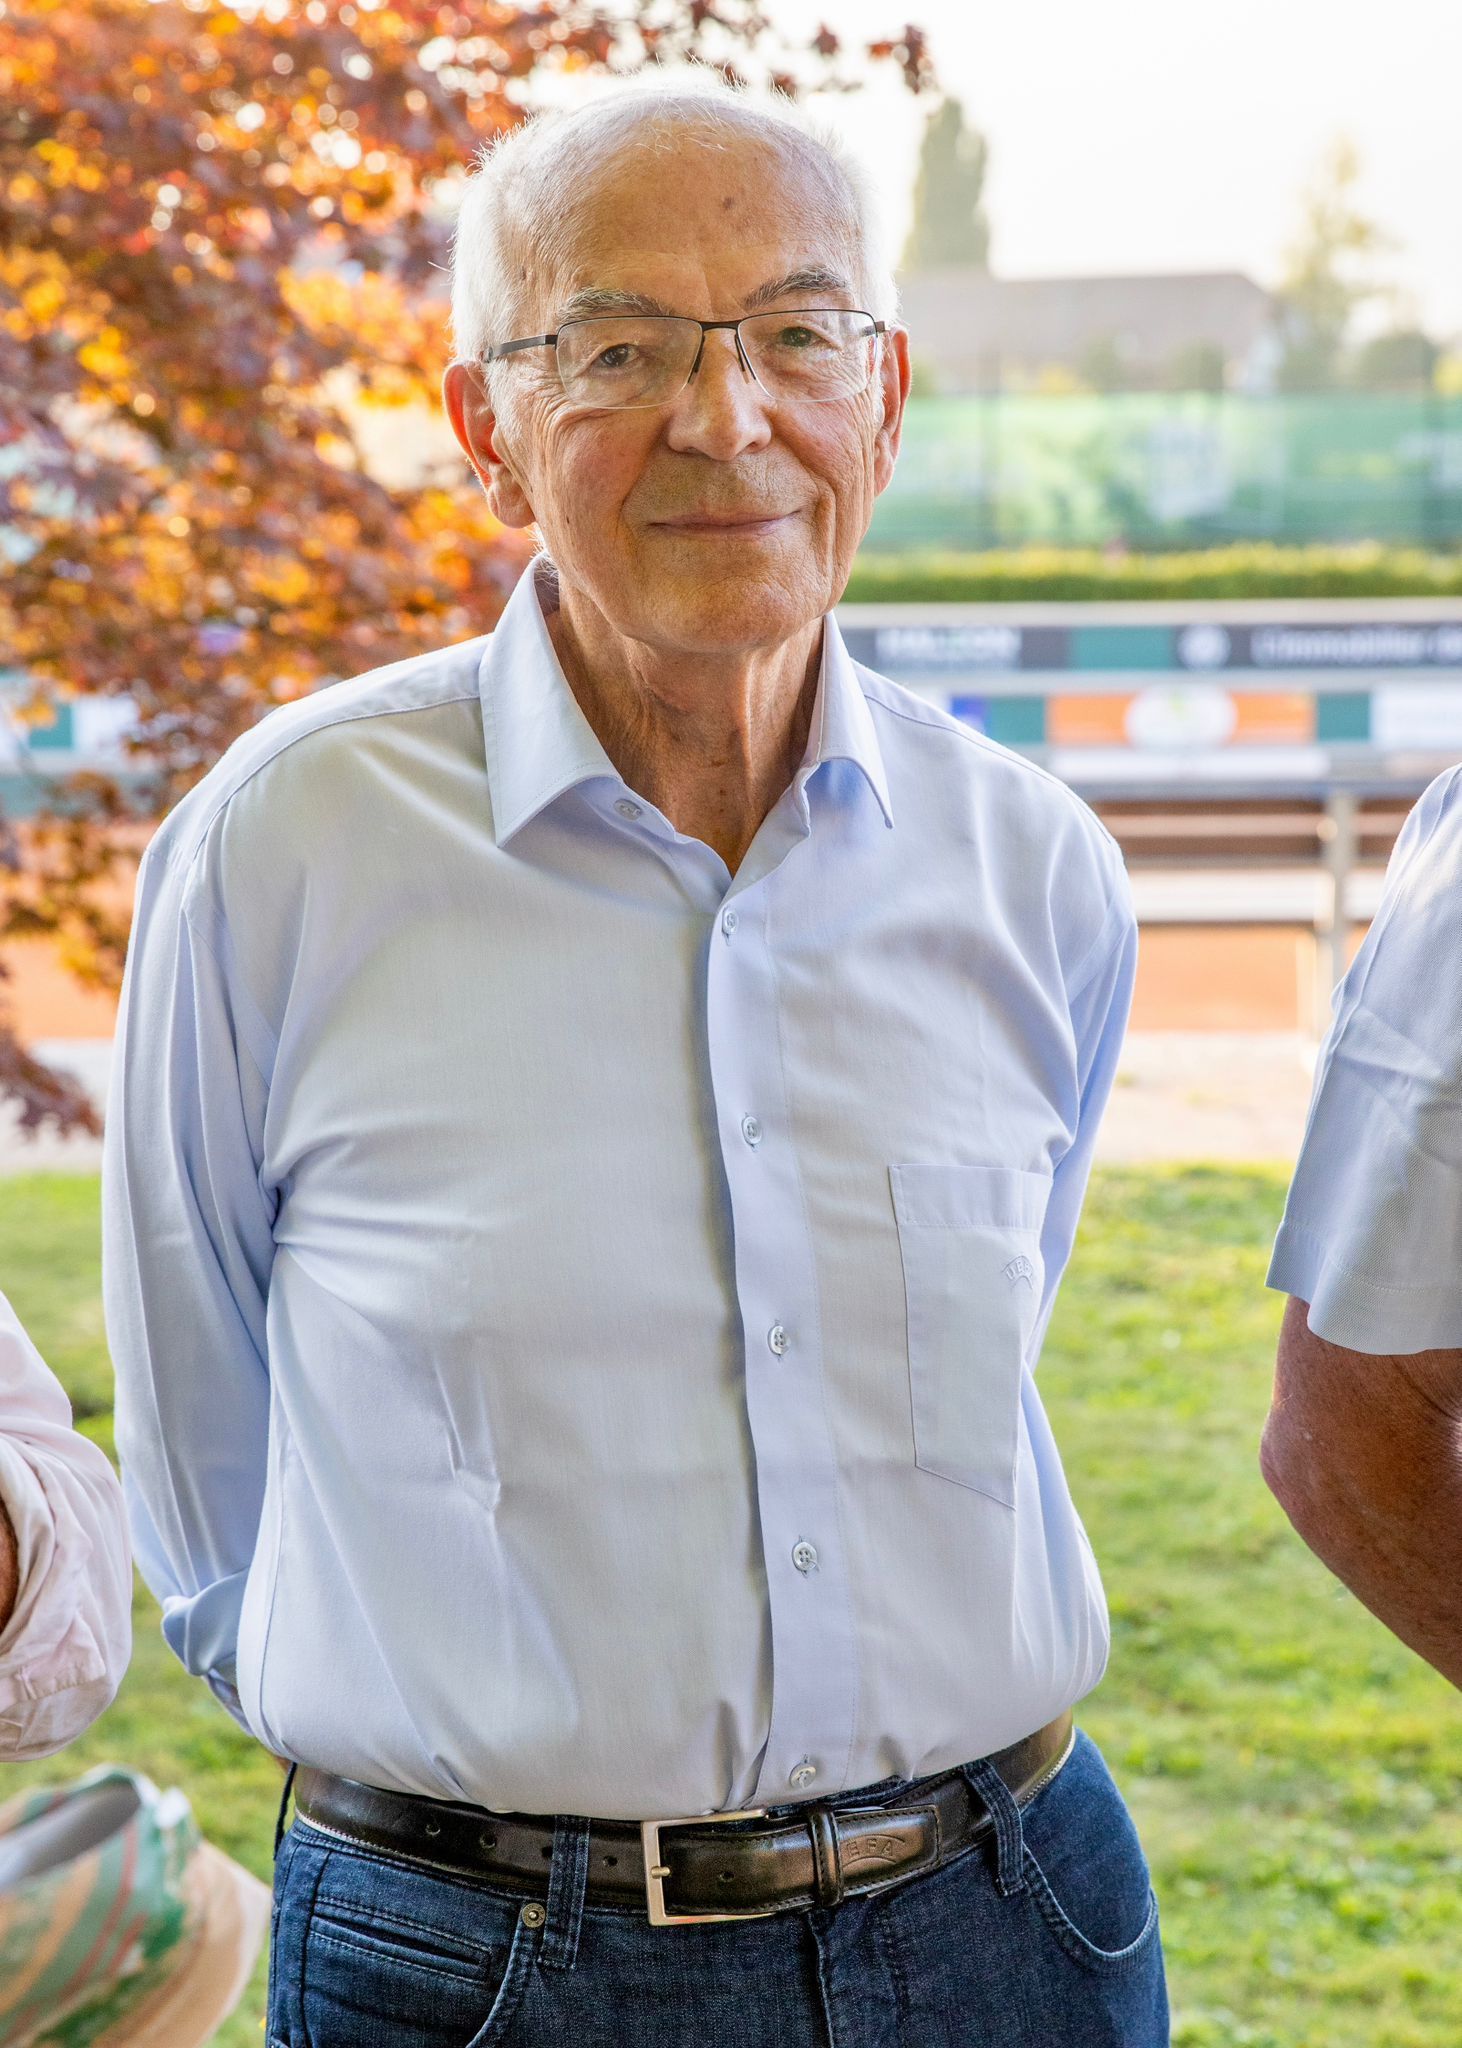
1372, 1230
575, 1309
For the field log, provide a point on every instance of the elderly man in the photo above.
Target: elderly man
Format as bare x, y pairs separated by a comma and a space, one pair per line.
604, 1111
1363, 1445
65, 1563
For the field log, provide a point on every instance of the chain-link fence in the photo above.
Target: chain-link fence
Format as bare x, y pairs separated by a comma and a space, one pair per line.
1174, 471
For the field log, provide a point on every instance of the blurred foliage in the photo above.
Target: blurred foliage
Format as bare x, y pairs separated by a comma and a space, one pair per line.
1253, 570
1327, 273
1401, 359
220, 226
949, 221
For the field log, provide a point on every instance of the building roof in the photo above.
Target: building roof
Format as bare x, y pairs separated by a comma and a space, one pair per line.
971, 327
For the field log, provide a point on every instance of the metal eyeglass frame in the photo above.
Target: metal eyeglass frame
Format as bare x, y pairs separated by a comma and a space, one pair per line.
512, 348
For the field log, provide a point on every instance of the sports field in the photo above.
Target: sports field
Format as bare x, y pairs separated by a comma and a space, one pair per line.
1294, 1771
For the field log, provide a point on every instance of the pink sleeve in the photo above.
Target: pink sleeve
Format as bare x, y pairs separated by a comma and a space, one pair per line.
66, 1645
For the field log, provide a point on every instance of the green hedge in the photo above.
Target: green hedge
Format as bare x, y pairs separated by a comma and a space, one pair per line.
1252, 570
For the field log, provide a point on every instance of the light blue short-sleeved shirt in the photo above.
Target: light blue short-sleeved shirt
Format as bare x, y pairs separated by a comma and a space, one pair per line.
1372, 1229
575, 1310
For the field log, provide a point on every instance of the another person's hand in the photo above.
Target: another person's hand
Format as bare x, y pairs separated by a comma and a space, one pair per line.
9, 1566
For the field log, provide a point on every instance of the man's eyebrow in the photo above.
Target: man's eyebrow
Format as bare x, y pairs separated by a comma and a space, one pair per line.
597, 301
813, 278
594, 301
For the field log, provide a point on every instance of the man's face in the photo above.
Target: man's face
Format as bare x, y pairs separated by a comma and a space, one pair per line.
724, 518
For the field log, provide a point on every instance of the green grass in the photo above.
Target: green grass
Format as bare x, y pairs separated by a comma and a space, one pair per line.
1292, 1768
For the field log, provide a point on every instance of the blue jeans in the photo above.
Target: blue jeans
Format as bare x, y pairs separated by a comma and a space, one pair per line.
1045, 1937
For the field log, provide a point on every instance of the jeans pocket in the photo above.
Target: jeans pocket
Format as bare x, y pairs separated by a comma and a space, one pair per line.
392, 1953
970, 1242
1079, 1945
1085, 1867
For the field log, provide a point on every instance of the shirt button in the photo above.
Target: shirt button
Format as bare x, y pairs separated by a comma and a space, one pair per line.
625, 808
803, 1774
804, 1556
729, 922
751, 1130
778, 1339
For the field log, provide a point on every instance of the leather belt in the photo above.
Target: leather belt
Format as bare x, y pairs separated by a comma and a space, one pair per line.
726, 1866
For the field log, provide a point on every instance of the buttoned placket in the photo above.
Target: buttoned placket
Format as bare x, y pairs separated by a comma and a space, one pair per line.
813, 1663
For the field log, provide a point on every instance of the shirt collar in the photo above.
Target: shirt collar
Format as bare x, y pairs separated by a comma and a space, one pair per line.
842, 724
538, 742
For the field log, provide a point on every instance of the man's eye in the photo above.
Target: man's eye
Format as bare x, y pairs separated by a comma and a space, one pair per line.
617, 357
803, 340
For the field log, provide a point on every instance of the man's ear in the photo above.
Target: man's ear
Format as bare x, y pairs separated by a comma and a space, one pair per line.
479, 431
894, 375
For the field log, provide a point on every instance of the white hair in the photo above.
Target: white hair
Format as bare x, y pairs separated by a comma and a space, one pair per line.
515, 222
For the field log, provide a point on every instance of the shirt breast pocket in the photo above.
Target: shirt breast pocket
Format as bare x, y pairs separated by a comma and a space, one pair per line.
970, 1240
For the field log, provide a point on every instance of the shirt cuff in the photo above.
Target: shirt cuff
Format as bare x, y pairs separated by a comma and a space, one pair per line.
1363, 1315
30, 1518
202, 1631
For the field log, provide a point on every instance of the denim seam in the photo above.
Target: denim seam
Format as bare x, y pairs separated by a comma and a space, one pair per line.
437, 1967
307, 1923
334, 1913
885, 1936
1110, 1962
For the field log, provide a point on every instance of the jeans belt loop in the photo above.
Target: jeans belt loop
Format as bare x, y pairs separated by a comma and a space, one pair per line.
568, 1876
1009, 1829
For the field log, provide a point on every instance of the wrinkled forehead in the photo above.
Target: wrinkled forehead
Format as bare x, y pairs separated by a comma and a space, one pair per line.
699, 223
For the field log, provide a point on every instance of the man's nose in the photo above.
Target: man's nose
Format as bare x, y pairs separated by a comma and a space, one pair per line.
723, 410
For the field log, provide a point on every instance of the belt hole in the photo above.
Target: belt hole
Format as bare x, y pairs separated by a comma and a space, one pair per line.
547, 1850
725, 1877
487, 1841
611, 1861
433, 1827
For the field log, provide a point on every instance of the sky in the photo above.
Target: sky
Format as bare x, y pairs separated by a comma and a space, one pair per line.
1163, 135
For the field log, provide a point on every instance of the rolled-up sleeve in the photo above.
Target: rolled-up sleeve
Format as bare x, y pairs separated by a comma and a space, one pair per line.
1372, 1230
187, 1248
65, 1646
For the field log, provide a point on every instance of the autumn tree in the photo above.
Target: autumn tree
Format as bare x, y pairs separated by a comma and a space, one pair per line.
217, 225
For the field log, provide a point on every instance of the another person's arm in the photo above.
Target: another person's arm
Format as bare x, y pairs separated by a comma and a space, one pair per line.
9, 1566
187, 1250
1364, 1454
1363, 1446
65, 1565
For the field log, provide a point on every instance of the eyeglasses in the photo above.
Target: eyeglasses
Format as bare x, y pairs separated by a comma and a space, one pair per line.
813, 354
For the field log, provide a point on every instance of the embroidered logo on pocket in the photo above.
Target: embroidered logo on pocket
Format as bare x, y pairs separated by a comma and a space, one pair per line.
1018, 1270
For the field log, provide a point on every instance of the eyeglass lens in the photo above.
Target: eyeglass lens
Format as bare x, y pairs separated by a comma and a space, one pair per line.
646, 359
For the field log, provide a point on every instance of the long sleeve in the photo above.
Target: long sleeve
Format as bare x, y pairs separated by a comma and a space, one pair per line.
66, 1644
1100, 1002
187, 1249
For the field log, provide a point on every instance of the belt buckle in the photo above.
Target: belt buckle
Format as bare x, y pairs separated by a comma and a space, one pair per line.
656, 1872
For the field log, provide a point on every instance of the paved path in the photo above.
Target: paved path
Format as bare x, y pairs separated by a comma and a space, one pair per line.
1179, 1095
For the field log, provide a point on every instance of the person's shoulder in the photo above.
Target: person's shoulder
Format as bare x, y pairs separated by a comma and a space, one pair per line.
1436, 818
1422, 898
330, 720
1023, 790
